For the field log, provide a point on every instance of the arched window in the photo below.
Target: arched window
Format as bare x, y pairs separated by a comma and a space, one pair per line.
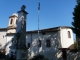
69, 34
11, 21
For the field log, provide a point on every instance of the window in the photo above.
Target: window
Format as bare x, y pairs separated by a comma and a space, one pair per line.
39, 43
28, 45
11, 21
69, 35
43, 33
48, 43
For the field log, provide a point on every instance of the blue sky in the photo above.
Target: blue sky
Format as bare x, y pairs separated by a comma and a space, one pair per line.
53, 13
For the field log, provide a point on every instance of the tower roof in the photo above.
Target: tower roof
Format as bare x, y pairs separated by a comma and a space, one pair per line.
14, 15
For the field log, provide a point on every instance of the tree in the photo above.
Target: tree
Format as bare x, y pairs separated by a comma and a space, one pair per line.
76, 22
76, 19
78, 1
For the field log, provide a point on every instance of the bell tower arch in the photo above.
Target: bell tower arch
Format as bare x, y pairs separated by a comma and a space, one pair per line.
12, 23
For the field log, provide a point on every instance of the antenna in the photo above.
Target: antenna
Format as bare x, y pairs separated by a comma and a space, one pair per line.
38, 21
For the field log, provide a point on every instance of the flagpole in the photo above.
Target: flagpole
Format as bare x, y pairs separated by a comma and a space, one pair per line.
38, 21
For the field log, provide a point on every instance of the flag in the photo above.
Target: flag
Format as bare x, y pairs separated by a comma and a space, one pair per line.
39, 6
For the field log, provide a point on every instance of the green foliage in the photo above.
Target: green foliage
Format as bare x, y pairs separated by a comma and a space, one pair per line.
76, 19
39, 57
10, 58
75, 45
77, 1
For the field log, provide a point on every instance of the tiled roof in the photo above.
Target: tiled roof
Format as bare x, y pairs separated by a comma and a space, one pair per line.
54, 29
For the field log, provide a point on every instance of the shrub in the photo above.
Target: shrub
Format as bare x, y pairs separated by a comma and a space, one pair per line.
75, 45
2, 55
39, 57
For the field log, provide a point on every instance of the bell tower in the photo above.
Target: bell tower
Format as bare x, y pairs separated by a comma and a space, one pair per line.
12, 23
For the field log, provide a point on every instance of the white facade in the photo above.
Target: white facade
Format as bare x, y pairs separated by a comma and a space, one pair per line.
9, 38
48, 52
3, 39
58, 39
66, 40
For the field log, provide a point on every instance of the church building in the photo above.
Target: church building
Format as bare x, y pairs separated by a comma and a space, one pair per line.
49, 43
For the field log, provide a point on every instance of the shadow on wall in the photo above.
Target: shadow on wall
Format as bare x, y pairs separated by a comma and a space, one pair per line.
10, 54
49, 50
7, 47
73, 53
9, 42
